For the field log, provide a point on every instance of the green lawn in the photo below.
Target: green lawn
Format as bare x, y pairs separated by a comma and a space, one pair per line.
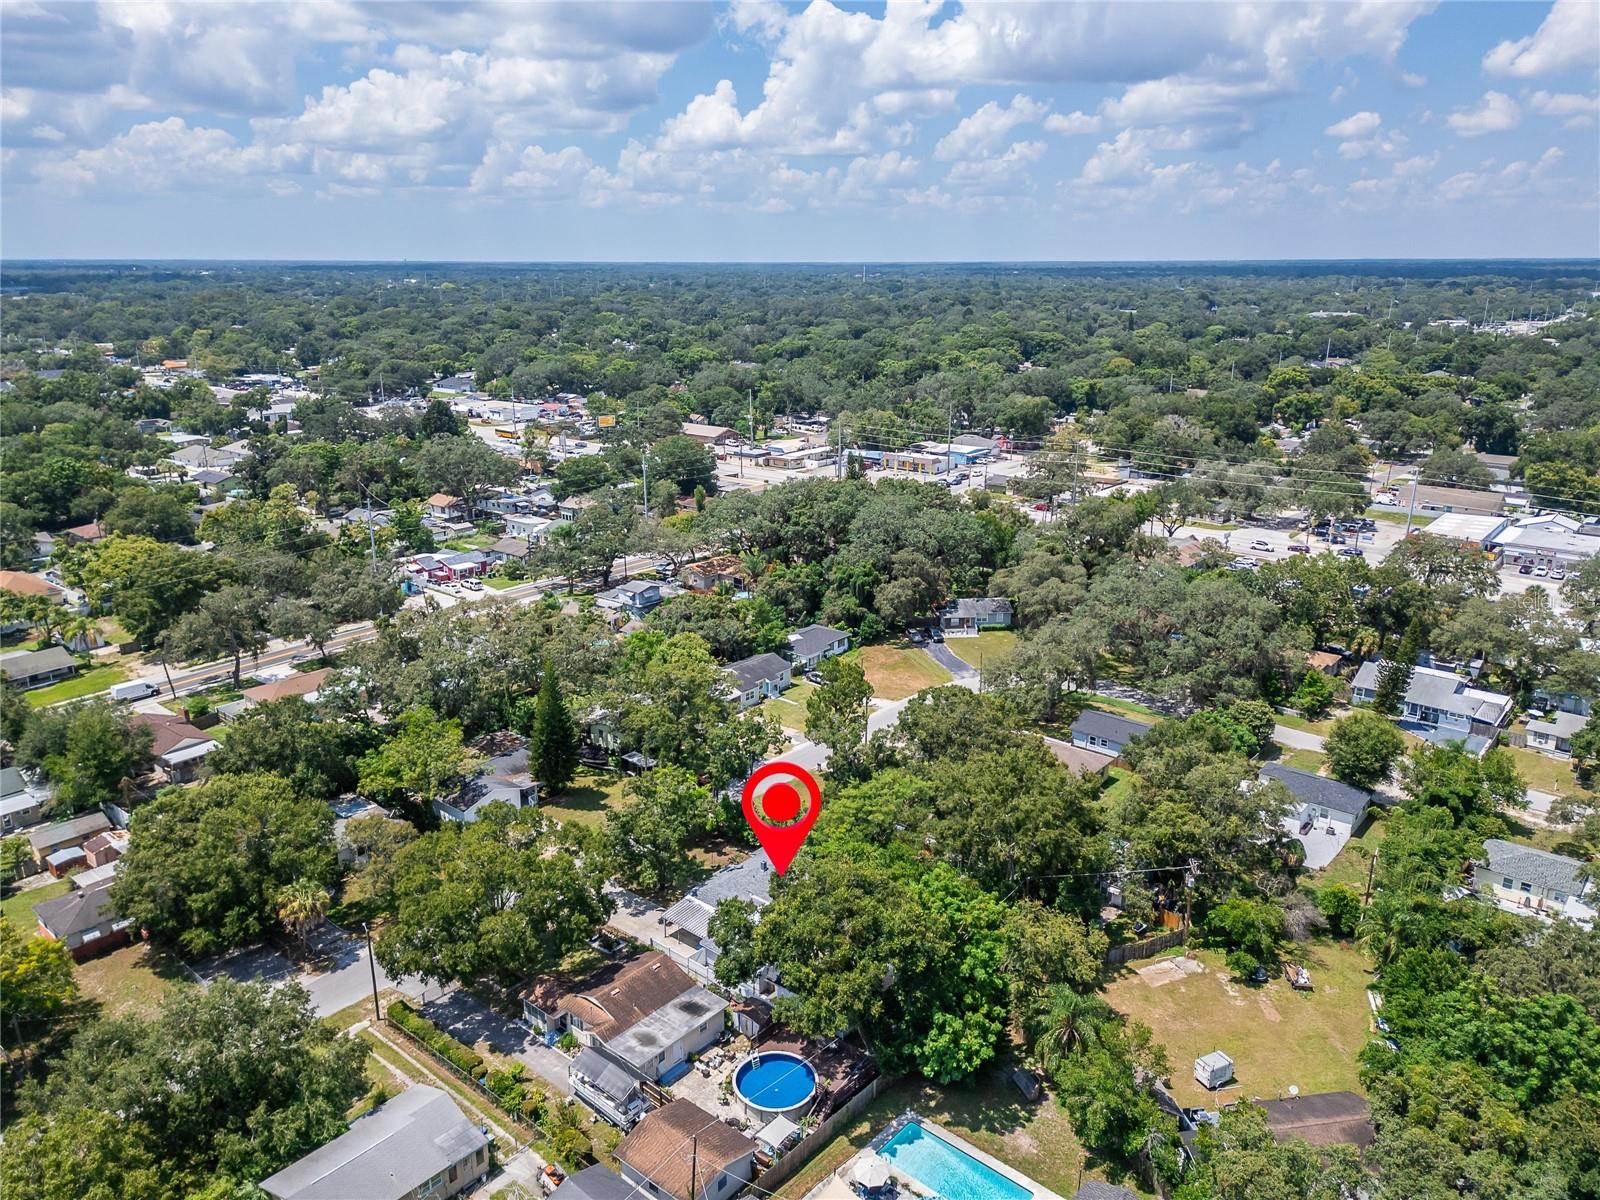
987, 1111
985, 648
586, 801
789, 710
471, 541
1546, 774
1350, 866
896, 672
500, 583
1295, 721
1305, 760
131, 979
1119, 782
1111, 704
84, 683
1277, 1037
18, 907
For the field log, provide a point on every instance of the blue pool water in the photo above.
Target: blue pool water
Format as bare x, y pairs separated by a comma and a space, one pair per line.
776, 1080
953, 1173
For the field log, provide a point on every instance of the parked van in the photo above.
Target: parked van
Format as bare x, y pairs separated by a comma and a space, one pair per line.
134, 689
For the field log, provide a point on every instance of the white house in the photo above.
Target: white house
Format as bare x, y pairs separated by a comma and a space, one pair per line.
1553, 735
757, 678
808, 646
1325, 815
1442, 701
1536, 882
440, 507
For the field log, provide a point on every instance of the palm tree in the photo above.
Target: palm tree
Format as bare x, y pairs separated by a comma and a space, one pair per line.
1064, 1020
300, 905
80, 633
1365, 642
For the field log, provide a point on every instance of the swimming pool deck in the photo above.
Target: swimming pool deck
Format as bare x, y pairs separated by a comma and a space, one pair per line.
837, 1185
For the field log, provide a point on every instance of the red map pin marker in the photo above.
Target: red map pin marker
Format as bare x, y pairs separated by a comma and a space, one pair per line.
781, 802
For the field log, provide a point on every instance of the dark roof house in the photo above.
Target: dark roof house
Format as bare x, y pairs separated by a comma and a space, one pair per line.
686, 1152
594, 1183
1311, 788
1096, 729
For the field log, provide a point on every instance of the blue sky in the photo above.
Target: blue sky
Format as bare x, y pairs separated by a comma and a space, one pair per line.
767, 131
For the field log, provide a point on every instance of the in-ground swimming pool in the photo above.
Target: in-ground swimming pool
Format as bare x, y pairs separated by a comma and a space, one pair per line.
941, 1167
776, 1083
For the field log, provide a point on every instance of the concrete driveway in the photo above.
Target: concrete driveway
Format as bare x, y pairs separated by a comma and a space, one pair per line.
952, 662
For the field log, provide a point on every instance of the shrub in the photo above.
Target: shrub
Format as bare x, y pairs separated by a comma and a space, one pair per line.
1341, 904
1362, 749
1314, 696
462, 1057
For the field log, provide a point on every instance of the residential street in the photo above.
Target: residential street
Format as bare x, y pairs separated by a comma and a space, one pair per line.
348, 979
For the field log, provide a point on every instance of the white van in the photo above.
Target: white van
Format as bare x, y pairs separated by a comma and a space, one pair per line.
134, 689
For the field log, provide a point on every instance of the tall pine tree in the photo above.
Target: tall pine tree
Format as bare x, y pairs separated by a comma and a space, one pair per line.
1394, 676
553, 747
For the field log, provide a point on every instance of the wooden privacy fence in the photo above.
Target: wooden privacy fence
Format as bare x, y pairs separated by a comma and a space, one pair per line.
799, 1154
1148, 948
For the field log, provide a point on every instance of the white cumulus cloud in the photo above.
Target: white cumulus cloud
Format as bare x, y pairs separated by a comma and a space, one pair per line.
1569, 36
1495, 113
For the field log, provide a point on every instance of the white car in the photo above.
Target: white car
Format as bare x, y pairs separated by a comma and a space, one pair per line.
1541, 571
1263, 547
472, 585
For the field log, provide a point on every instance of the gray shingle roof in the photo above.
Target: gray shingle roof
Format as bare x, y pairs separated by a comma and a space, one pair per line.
1117, 729
982, 608
759, 667
82, 828
385, 1154
1095, 1190
814, 639
26, 664
88, 908
750, 880
1537, 867
1314, 789
595, 1183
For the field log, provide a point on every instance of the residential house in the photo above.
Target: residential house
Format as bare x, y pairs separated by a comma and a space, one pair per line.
1567, 702
1078, 758
22, 803
346, 809
570, 508
1550, 539
306, 684
504, 778
36, 668
1322, 1119
757, 678
507, 549
711, 435
201, 456
646, 1012
1524, 880
636, 597
607, 1086
970, 617
502, 503
723, 571
685, 926
1106, 732
531, 528
682, 1152
30, 586
376, 518
66, 835
1442, 704
1553, 735
1325, 662
595, 1183
440, 507
450, 566
1325, 814
84, 533
178, 747
84, 921
418, 1145
810, 644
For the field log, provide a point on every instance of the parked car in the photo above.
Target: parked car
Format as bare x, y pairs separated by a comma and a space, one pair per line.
916, 637
1353, 552
1042, 506
1525, 569
1558, 574
815, 677
472, 585
936, 634
1338, 539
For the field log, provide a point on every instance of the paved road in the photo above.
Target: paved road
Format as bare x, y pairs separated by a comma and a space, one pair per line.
951, 661
469, 1020
1297, 740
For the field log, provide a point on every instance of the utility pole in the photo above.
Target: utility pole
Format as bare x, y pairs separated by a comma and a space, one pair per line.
694, 1166
949, 433
372, 965
644, 465
1411, 508
1372, 868
1189, 878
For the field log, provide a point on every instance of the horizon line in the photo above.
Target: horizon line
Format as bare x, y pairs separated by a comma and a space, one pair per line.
820, 262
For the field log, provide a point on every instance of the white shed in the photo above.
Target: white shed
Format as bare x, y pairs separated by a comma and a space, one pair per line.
1213, 1070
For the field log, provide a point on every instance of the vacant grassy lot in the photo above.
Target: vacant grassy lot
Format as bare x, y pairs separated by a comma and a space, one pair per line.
127, 980
1546, 774
1112, 704
84, 683
1305, 760
586, 801
1275, 1035
896, 672
1036, 1139
18, 907
985, 648
1295, 721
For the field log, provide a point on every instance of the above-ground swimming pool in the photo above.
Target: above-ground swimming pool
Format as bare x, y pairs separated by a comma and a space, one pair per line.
776, 1083
947, 1169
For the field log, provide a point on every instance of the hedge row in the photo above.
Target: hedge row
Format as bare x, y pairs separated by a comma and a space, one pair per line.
463, 1058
